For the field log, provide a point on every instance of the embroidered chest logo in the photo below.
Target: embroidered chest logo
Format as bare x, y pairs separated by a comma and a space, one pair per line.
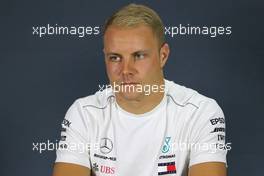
106, 145
166, 168
166, 145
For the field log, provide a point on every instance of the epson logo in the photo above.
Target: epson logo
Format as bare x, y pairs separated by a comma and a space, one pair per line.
215, 121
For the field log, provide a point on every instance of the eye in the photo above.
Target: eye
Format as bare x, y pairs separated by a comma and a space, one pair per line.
114, 58
139, 56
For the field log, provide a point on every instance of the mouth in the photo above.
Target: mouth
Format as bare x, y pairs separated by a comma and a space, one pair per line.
129, 83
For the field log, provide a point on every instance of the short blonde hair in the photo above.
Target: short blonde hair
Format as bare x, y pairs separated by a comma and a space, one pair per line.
134, 15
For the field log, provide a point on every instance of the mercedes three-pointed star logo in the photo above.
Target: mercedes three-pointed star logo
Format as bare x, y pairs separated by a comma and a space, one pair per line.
106, 145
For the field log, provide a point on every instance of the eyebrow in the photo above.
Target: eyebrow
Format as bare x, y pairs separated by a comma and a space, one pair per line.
134, 53
111, 53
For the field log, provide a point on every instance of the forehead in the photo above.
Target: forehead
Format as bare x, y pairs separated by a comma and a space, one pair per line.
137, 37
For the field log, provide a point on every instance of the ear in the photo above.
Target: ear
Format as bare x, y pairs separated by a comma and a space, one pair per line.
164, 54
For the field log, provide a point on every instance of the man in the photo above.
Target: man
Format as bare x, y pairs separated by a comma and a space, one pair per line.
142, 124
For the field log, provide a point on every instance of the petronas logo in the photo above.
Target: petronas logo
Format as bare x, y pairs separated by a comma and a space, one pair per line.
166, 145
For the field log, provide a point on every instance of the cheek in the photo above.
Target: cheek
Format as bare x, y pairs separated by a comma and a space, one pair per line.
149, 66
112, 69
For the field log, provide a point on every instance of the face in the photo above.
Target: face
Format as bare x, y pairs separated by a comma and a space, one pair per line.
133, 58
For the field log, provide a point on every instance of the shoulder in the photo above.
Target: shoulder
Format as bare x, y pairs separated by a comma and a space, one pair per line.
183, 96
89, 110
99, 100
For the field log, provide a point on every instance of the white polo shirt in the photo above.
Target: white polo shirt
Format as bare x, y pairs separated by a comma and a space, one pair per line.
186, 128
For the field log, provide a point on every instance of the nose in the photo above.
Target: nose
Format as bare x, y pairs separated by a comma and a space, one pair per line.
127, 67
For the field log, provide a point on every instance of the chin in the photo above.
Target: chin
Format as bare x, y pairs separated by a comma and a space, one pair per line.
130, 96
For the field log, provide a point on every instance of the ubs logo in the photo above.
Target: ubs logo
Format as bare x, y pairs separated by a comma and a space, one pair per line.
107, 170
106, 145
